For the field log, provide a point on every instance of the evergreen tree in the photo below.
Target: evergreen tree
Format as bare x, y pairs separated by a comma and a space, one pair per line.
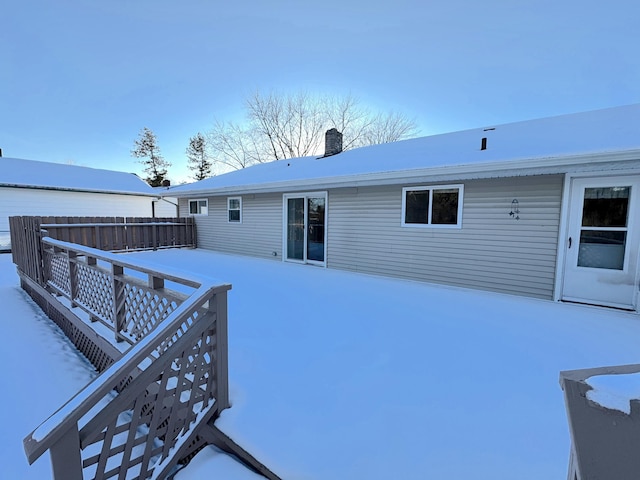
198, 159
146, 148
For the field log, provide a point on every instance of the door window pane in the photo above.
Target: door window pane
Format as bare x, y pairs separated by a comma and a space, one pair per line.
315, 233
600, 249
605, 207
295, 228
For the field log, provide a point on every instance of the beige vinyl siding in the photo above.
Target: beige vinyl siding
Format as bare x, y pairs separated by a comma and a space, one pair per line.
37, 202
492, 251
259, 234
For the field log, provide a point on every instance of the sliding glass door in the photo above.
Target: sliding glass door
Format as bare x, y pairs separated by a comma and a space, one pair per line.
305, 227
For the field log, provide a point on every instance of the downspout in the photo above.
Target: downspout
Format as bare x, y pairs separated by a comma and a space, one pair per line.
171, 203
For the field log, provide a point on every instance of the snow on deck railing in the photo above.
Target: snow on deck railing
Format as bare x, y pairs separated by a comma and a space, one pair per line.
605, 430
135, 415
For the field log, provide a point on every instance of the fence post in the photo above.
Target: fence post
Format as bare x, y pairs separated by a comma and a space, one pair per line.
118, 301
66, 461
73, 273
98, 239
38, 248
154, 236
155, 282
219, 301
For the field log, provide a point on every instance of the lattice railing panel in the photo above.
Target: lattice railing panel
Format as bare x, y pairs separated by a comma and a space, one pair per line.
143, 309
56, 270
180, 389
140, 417
94, 291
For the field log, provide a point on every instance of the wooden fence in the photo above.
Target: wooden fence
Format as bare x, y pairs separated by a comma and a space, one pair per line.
103, 233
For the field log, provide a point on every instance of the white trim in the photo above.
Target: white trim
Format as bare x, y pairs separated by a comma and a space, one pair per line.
563, 236
229, 209
199, 207
431, 188
305, 195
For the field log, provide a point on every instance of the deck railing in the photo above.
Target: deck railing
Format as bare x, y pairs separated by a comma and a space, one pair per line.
604, 441
137, 419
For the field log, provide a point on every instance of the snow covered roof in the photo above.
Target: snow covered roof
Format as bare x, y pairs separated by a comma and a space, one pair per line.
528, 147
15, 172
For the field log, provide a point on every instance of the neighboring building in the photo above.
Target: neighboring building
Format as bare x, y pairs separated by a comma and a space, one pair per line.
545, 208
29, 187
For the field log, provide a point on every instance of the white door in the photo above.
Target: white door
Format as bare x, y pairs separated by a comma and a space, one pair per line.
601, 262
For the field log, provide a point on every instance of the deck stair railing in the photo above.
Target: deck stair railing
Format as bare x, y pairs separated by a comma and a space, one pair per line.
141, 416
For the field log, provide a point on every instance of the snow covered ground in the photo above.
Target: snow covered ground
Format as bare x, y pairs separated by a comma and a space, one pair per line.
336, 375
41, 371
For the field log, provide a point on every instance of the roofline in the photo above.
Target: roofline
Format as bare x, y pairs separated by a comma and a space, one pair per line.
526, 166
82, 190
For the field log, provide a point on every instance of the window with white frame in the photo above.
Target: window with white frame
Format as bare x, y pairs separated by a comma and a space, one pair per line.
199, 206
234, 209
432, 206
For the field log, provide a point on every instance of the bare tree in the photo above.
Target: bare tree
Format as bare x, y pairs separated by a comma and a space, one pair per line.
146, 147
292, 124
285, 126
389, 127
235, 147
349, 118
198, 158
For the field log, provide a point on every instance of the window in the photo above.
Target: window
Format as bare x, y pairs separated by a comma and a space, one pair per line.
199, 207
234, 208
438, 206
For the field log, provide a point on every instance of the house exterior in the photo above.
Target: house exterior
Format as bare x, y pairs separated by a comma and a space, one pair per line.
30, 187
545, 208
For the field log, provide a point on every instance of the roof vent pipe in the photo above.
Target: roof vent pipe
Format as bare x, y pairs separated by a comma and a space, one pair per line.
483, 144
332, 142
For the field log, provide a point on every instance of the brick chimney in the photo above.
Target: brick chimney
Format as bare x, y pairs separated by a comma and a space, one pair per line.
332, 142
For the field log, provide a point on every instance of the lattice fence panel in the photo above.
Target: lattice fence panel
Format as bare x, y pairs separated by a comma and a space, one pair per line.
179, 390
96, 355
144, 308
57, 271
94, 291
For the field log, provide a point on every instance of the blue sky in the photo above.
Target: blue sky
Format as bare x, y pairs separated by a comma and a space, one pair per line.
80, 79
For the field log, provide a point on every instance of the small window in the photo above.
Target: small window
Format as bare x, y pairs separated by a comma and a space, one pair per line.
234, 207
199, 207
438, 206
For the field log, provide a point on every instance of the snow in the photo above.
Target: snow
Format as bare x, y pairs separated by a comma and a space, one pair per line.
341, 375
615, 392
510, 145
31, 173
42, 370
